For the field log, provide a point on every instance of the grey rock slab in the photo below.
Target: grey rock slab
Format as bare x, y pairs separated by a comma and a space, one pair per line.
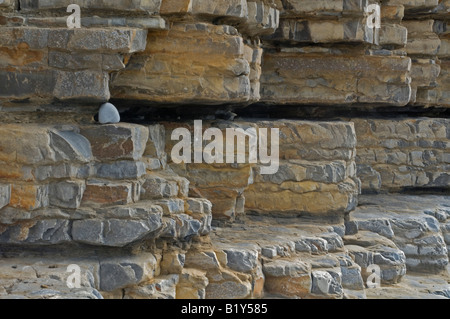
269, 251
81, 85
315, 245
40, 232
118, 232
155, 186
351, 278
120, 170
334, 241
115, 232
27, 84
123, 271
325, 284
388, 256
61, 171
100, 40
380, 226
171, 206
282, 268
243, 260
228, 290
108, 113
360, 255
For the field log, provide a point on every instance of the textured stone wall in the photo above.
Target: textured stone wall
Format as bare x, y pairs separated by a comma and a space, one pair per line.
316, 176
393, 155
97, 185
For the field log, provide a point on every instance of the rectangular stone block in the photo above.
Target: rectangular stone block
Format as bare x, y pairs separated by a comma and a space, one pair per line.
300, 170
319, 140
107, 193
310, 199
61, 171
100, 40
422, 40
22, 58
40, 232
120, 272
70, 146
116, 141
120, 170
415, 5
82, 85
171, 206
74, 61
296, 78
27, 84
209, 68
156, 187
31, 38
29, 196
440, 94
424, 72
114, 232
228, 9
392, 13
66, 194
288, 278
393, 34
444, 49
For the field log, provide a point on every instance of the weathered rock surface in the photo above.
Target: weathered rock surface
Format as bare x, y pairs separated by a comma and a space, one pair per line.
402, 153
95, 211
307, 180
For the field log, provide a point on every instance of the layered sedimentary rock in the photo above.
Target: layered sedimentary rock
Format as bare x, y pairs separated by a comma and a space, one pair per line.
300, 67
317, 181
41, 59
216, 63
406, 153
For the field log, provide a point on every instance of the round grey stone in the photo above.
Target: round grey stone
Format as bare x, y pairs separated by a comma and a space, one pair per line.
108, 114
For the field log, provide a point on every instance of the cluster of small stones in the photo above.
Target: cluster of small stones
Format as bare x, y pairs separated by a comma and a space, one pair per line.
110, 200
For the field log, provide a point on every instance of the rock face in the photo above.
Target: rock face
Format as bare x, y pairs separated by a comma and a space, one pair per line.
403, 153
244, 149
304, 173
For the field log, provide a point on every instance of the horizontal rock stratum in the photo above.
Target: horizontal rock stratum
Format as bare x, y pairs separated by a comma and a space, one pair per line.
356, 92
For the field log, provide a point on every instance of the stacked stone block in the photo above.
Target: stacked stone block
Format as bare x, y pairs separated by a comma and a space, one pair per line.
316, 175
110, 199
300, 67
395, 155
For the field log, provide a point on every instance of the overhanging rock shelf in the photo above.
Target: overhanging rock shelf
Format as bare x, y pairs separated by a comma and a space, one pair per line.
363, 174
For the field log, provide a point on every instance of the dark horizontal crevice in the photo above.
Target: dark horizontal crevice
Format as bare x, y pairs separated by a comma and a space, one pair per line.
154, 113
426, 190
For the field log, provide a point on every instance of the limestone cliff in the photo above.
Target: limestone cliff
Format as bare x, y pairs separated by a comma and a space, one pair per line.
358, 92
